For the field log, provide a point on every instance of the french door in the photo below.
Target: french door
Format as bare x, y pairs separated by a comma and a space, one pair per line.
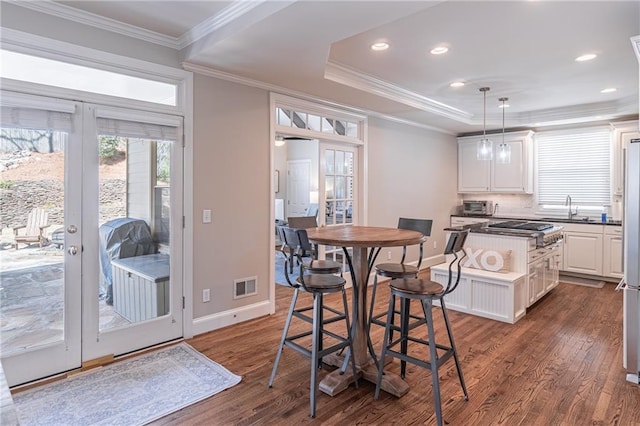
338, 189
106, 278
41, 283
132, 215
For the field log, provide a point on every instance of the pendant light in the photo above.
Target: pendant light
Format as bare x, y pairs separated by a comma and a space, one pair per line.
485, 146
503, 155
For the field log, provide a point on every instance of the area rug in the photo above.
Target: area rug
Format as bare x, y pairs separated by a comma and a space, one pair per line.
130, 392
586, 282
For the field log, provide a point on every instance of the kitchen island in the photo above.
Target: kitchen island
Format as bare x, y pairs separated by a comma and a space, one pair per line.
592, 249
506, 271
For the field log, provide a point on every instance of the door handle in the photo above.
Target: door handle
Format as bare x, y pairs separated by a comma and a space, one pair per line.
72, 250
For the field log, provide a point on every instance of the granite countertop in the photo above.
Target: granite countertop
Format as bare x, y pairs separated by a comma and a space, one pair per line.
545, 219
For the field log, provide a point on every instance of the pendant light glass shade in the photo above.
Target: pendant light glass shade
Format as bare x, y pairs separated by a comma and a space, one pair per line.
485, 149
503, 154
485, 146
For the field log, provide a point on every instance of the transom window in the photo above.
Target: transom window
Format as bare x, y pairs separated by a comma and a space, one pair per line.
34, 69
314, 122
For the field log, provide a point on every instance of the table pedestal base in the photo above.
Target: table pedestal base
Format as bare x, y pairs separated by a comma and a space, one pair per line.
334, 382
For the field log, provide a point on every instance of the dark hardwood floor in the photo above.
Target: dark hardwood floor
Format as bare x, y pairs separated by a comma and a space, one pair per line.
559, 365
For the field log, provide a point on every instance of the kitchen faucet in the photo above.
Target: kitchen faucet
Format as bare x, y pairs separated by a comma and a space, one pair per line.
567, 202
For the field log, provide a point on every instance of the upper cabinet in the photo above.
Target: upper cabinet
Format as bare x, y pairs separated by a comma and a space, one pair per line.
623, 132
490, 176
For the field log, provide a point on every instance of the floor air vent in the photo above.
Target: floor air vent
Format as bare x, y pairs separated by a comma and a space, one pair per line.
244, 287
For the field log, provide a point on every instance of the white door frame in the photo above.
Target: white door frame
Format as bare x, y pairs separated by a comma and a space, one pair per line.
82, 339
360, 142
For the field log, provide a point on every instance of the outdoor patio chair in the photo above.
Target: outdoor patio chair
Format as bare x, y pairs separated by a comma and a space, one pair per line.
37, 222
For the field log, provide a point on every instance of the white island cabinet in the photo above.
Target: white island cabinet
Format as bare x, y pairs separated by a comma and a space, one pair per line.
503, 296
515, 177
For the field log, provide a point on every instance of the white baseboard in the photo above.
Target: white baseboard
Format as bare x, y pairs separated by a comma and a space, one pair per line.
230, 317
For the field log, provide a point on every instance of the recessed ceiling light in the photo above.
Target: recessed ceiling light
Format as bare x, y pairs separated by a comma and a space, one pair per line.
587, 57
608, 90
439, 50
380, 46
457, 84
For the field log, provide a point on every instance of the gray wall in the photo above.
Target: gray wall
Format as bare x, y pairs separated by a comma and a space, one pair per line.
231, 175
412, 173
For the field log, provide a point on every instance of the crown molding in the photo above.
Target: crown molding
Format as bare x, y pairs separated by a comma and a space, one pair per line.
229, 14
579, 113
348, 76
210, 72
108, 24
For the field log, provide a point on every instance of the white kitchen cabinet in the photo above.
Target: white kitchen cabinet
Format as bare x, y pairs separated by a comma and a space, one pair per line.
490, 176
473, 174
623, 132
461, 221
612, 252
583, 249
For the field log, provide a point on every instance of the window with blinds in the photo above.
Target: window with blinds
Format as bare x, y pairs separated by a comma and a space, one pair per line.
574, 162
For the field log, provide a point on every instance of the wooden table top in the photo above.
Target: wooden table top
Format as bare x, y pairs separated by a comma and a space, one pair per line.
363, 236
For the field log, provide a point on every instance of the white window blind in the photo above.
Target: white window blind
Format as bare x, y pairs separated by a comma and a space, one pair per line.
35, 119
574, 162
133, 129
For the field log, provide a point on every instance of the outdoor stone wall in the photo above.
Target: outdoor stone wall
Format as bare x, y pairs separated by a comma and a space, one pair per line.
22, 196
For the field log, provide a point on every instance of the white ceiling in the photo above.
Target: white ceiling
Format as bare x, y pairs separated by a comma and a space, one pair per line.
523, 50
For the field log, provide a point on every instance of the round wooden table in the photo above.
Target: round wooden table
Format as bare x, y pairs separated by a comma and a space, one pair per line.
361, 239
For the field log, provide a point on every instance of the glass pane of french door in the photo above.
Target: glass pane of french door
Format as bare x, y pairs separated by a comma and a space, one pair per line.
134, 229
39, 267
337, 177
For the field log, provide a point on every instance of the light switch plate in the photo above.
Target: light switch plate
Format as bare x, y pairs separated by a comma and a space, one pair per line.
206, 216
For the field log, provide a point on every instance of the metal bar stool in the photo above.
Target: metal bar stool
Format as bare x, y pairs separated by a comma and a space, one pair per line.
317, 278
400, 270
426, 291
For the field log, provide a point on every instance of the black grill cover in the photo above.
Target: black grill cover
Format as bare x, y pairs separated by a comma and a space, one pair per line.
119, 239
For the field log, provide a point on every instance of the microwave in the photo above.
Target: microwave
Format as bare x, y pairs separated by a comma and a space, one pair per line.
473, 208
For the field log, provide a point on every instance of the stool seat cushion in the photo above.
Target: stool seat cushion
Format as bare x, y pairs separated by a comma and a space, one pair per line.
323, 282
396, 269
417, 286
322, 266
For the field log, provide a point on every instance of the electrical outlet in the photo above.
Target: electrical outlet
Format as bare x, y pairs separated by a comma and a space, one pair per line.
389, 255
206, 295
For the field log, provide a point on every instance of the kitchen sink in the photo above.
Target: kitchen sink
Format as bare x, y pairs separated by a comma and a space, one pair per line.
566, 220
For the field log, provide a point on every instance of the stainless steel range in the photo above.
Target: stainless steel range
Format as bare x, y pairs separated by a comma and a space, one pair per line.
546, 234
